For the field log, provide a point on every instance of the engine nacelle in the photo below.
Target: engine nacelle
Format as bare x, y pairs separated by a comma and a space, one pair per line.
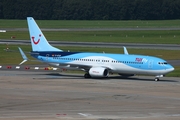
98, 72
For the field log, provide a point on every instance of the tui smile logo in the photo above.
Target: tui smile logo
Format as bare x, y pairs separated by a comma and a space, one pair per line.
36, 42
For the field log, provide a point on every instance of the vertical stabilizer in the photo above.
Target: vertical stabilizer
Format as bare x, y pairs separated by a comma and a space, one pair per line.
38, 40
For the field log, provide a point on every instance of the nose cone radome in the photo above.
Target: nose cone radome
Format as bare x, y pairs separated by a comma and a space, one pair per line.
169, 68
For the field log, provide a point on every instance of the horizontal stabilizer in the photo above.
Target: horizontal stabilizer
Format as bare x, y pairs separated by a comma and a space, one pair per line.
23, 56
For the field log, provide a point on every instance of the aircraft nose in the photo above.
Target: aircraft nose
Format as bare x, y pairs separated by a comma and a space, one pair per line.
169, 68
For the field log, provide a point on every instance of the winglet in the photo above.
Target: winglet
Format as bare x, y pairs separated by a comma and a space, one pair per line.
125, 51
23, 56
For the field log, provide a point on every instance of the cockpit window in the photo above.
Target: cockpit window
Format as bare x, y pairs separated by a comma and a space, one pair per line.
162, 63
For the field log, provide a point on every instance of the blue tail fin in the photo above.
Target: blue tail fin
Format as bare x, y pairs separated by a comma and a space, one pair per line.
38, 40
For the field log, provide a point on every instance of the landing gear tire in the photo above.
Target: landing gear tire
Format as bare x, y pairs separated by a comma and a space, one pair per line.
156, 79
86, 75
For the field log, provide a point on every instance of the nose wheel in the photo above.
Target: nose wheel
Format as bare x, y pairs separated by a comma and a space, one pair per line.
157, 77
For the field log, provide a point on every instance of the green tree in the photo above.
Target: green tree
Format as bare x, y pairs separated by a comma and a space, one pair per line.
42, 9
1, 10
171, 9
99, 10
75, 9
57, 10
126, 9
8, 9
91, 9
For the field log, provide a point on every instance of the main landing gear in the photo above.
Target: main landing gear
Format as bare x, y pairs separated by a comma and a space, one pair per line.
87, 75
156, 79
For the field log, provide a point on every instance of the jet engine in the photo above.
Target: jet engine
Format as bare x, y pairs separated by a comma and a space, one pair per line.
98, 72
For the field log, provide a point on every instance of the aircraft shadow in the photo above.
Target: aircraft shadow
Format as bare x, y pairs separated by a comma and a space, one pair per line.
134, 78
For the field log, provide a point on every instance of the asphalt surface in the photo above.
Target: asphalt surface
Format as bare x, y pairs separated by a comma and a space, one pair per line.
27, 95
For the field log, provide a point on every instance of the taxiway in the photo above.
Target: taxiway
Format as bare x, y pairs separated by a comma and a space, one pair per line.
32, 95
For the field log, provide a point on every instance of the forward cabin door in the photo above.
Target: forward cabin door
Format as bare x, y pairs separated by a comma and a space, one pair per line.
150, 64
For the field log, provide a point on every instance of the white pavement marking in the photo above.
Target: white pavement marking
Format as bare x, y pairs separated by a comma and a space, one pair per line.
85, 115
54, 68
36, 68
2, 30
17, 67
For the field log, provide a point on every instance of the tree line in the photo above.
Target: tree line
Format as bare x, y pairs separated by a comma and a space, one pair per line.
90, 9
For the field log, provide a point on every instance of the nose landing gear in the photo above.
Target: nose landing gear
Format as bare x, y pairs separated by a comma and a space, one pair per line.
157, 77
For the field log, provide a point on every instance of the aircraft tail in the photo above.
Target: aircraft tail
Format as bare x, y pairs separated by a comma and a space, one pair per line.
38, 40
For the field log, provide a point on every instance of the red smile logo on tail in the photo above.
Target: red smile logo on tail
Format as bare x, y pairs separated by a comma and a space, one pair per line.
35, 41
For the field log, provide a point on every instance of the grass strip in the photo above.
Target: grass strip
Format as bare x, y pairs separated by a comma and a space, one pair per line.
151, 37
91, 23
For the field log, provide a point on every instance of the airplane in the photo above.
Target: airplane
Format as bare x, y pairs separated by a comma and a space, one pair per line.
95, 65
